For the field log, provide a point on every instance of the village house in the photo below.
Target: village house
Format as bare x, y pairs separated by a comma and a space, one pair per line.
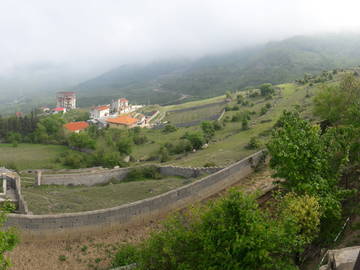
120, 105
76, 127
100, 112
123, 121
58, 110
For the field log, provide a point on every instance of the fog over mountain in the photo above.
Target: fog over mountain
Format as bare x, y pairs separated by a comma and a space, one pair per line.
51, 45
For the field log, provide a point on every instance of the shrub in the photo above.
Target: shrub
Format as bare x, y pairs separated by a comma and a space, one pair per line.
169, 128
126, 255
196, 139
210, 164
143, 173
254, 143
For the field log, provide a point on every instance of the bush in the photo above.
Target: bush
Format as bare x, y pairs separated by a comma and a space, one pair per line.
169, 128
127, 254
210, 164
254, 143
196, 139
245, 124
143, 173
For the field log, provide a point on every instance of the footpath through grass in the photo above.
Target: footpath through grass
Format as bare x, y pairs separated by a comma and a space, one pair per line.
30, 156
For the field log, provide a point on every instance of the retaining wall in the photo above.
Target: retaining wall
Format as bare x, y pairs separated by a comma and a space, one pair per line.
14, 181
98, 220
87, 178
97, 176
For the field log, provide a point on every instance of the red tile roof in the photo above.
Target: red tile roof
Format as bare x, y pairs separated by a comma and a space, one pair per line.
59, 109
102, 108
75, 126
122, 120
123, 100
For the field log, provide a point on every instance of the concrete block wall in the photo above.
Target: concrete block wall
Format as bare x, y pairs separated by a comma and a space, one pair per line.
101, 176
98, 220
87, 178
14, 180
187, 172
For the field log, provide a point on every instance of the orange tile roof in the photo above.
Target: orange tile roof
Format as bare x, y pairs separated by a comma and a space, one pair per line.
75, 126
123, 100
102, 108
122, 120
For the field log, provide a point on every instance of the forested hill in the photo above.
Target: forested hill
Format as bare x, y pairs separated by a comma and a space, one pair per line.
275, 62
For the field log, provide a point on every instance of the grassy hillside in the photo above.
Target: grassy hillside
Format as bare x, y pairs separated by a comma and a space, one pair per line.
180, 80
31, 156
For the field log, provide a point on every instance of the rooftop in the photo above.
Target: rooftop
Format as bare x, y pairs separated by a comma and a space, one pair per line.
102, 108
59, 109
122, 120
75, 126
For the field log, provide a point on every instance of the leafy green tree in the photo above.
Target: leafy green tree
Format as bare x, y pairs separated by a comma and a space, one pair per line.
125, 146
196, 139
208, 130
81, 141
266, 89
245, 124
339, 104
304, 159
169, 128
230, 233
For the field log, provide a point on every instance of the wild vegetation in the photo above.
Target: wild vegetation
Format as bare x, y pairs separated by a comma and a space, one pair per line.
234, 233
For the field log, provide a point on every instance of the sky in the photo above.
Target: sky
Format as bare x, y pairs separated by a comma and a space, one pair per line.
81, 38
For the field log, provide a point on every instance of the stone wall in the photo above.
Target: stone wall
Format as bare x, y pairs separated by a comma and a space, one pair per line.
99, 220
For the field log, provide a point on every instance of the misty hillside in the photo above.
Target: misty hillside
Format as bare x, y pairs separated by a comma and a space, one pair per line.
171, 81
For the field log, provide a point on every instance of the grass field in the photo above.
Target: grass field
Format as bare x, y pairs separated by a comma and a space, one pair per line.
193, 115
65, 199
30, 156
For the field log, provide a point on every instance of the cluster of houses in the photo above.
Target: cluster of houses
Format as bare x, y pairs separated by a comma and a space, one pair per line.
118, 114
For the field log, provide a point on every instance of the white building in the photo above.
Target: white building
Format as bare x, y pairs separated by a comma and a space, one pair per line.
100, 112
120, 105
66, 100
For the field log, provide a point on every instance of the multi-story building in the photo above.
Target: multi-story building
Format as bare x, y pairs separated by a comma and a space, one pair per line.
120, 105
66, 100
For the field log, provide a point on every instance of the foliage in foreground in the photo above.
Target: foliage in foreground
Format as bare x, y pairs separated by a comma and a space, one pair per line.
8, 237
230, 233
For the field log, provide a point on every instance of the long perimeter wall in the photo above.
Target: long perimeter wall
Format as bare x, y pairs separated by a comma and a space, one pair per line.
105, 219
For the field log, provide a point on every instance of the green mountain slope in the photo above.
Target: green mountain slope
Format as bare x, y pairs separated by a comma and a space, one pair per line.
178, 80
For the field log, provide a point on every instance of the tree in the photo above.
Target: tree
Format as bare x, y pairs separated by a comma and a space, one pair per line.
81, 141
125, 146
229, 233
339, 104
245, 124
305, 159
266, 89
196, 139
169, 128
208, 130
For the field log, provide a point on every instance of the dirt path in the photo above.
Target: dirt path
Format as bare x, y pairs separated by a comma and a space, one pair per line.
95, 252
